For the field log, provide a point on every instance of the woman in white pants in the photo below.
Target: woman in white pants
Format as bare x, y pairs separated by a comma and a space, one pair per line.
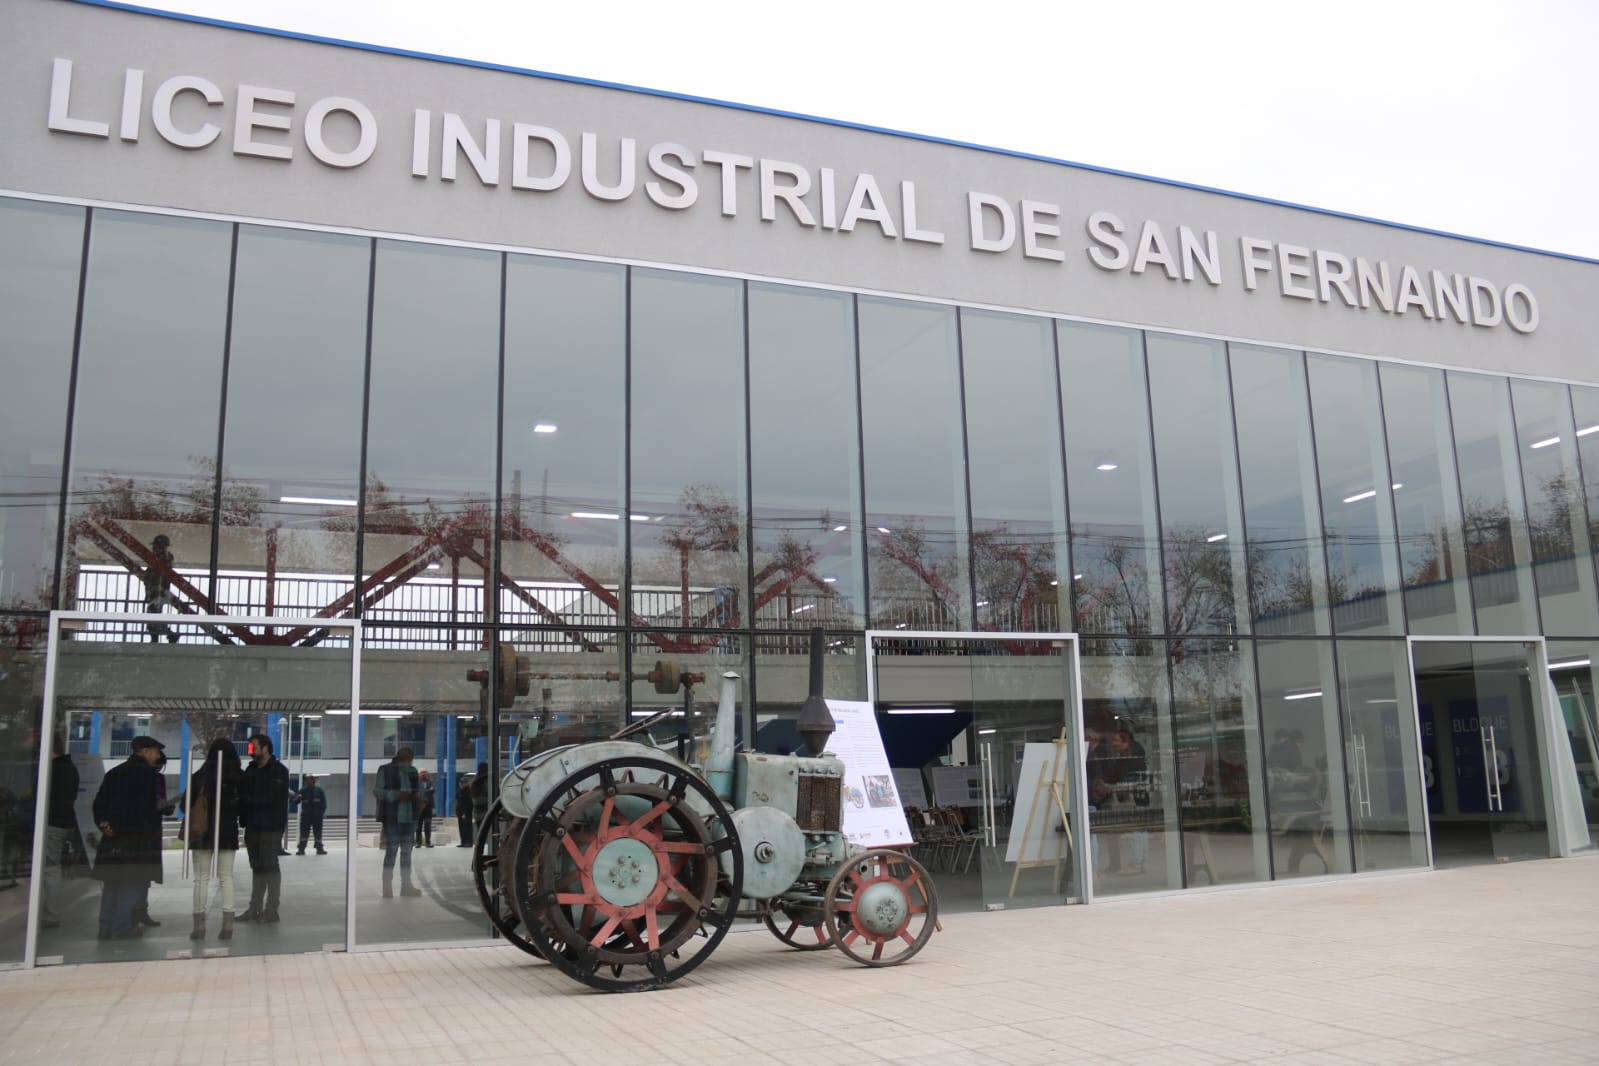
220, 836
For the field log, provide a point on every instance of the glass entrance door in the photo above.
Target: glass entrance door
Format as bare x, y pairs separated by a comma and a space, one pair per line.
1480, 705
983, 733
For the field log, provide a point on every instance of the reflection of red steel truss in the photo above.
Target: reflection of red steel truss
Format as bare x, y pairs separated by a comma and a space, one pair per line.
896, 551
457, 540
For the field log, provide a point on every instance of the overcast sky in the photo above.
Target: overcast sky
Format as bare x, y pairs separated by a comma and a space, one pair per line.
1474, 117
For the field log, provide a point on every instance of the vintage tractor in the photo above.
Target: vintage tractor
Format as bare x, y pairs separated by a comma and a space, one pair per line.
625, 865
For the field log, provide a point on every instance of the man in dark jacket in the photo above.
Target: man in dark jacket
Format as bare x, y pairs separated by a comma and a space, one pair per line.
264, 813
313, 805
463, 811
424, 812
127, 814
61, 834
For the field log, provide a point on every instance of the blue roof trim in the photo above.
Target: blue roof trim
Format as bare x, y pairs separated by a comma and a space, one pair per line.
711, 101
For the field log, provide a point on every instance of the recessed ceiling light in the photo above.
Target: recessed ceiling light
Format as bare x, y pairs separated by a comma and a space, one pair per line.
544, 427
1106, 466
323, 501
1214, 537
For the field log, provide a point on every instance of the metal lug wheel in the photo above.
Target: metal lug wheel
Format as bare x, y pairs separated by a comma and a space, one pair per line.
496, 839
802, 926
881, 907
628, 884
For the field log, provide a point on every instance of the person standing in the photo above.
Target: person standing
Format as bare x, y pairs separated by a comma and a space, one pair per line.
398, 792
463, 811
480, 794
424, 814
313, 805
158, 588
220, 838
61, 832
264, 813
127, 813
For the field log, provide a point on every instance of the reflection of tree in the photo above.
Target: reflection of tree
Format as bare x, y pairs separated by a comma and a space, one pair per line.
915, 576
1015, 574
190, 503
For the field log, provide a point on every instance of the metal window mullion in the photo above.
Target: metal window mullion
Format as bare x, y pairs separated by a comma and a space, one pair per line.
222, 414
63, 505
1526, 509
964, 506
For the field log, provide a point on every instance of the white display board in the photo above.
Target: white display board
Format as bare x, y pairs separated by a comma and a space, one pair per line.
873, 814
1042, 797
957, 786
912, 792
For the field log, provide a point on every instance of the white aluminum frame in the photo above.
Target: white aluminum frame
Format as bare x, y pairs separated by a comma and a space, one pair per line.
1082, 845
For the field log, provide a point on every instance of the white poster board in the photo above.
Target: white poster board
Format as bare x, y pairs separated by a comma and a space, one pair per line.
957, 786
873, 815
1042, 794
912, 793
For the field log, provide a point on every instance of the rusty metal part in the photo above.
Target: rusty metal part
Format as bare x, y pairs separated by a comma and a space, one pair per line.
881, 908
632, 885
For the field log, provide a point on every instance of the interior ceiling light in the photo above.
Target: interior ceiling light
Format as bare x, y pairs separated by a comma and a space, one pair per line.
544, 427
1214, 537
1546, 442
1357, 497
1106, 466
1303, 695
1570, 664
828, 579
1584, 431
839, 529
318, 501
921, 710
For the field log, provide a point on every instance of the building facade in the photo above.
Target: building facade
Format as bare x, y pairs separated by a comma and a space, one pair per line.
330, 371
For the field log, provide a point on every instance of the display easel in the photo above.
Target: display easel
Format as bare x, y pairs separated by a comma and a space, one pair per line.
1050, 790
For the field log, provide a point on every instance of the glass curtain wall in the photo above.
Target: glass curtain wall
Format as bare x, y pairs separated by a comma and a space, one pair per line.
1498, 549
805, 471
1385, 784
1562, 557
143, 482
1018, 485
689, 488
38, 303
1282, 505
289, 487
917, 538
1299, 711
1421, 454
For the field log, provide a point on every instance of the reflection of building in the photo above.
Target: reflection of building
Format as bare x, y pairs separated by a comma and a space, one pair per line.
646, 387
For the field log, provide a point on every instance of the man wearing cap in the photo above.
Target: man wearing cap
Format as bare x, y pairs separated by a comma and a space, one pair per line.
128, 817
264, 812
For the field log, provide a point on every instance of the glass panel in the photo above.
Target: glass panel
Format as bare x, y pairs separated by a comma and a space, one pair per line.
782, 666
1498, 552
144, 433
1427, 498
430, 433
1304, 758
977, 731
154, 895
1557, 526
1384, 780
688, 468
1200, 510
565, 382
22, 673
417, 700
1585, 404
38, 303
1134, 797
1013, 446
805, 459
1486, 803
1573, 673
292, 447
1110, 475
916, 526
1282, 513
678, 676
1356, 496
1218, 746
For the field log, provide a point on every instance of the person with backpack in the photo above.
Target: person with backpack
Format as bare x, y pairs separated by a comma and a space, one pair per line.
211, 830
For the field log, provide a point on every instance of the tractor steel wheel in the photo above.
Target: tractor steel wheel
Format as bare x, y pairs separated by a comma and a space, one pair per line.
631, 886
802, 926
495, 840
881, 908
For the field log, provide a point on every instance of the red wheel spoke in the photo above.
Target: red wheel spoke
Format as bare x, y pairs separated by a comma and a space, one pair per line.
906, 936
598, 939
652, 926
648, 817
630, 927
680, 847
877, 950
789, 933
573, 850
572, 898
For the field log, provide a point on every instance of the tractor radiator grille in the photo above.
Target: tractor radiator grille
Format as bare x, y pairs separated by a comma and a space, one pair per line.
820, 807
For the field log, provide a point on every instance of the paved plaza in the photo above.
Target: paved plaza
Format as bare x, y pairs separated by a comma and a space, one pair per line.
1486, 964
